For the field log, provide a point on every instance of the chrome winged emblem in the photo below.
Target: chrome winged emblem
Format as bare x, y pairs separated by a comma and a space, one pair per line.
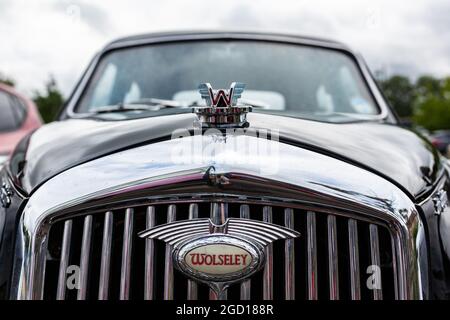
221, 97
222, 109
219, 255
175, 233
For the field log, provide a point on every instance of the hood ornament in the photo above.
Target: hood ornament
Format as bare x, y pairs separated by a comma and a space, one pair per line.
219, 254
222, 109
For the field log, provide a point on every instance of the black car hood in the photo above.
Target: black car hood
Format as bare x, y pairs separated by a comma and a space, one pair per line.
397, 154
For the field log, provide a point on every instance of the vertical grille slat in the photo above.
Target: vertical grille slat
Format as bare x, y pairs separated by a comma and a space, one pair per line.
149, 255
289, 257
64, 263
312, 255
84, 258
215, 218
125, 272
105, 264
375, 259
192, 293
333, 272
268, 268
326, 262
168, 267
219, 214
244, 213
394, 269
355, 287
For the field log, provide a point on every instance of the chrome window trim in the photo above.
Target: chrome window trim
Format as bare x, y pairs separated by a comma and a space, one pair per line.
352, 191
385, 113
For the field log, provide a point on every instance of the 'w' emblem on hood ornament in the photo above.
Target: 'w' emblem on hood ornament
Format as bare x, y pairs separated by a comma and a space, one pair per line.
221, 97
219, 255
222, 109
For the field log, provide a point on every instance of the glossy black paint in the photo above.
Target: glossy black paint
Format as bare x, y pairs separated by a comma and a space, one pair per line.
437, 242
9, 218
392, 152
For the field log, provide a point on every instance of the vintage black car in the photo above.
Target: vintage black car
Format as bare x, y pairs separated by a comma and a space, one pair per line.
155, 184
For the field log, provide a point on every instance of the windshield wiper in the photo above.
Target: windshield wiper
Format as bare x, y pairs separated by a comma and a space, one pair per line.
153, 104
160, 103
148, 104
255, 103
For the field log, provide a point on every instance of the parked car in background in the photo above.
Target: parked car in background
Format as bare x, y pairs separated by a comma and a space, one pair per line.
18, 117
441, 140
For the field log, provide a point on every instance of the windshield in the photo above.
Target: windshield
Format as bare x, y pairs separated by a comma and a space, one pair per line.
280, 78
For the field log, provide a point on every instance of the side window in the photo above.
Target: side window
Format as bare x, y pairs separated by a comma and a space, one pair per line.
11, 116
19, 108
104, 87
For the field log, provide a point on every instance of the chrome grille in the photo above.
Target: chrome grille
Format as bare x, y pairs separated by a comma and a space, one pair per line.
328, 261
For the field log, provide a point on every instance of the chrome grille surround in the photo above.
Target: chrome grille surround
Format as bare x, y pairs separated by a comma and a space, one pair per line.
101, 184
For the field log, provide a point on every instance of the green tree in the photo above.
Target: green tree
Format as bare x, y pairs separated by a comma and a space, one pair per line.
400, 93
432, 109
7, 80
50, 101
427, 85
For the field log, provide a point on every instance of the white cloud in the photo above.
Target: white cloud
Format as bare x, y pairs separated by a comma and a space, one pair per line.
60, 37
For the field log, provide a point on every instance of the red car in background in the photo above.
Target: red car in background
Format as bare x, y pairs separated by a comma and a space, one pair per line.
18, 117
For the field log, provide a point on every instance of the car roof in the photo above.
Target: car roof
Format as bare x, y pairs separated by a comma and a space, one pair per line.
12, 91
223, 35
7, 88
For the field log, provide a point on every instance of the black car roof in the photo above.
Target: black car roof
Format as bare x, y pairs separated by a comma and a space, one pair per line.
211, 35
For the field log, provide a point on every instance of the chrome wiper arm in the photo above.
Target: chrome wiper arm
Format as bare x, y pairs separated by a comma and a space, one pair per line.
154, 104
160, 102
146, 104
121, 108
256, 103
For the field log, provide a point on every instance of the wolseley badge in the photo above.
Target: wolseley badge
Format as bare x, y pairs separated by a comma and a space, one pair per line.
222, 109
219, 255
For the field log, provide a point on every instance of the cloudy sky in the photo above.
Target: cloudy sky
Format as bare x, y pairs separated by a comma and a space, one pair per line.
59, 37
